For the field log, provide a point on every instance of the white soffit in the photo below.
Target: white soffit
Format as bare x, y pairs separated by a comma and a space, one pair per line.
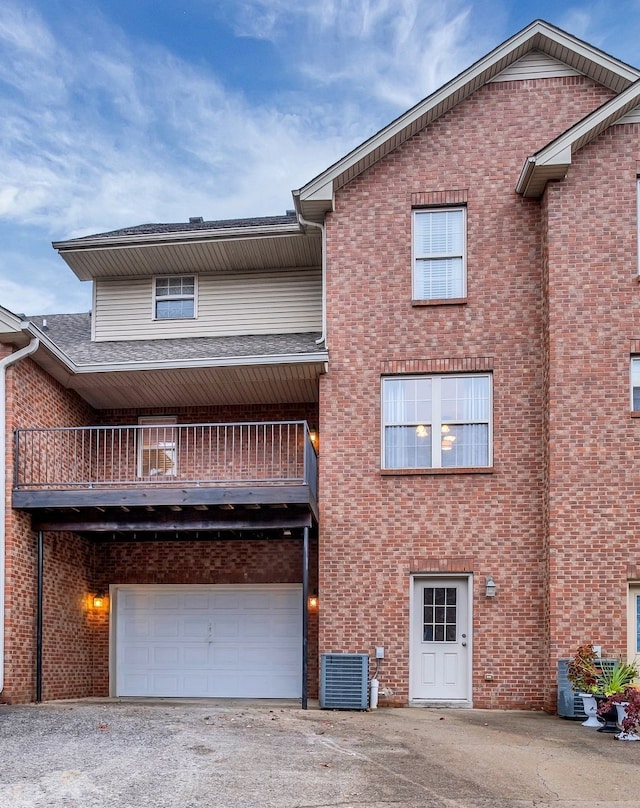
316, 197
552, 162
157, 255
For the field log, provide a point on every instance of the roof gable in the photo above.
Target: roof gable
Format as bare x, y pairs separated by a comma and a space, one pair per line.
315, 198
553, 161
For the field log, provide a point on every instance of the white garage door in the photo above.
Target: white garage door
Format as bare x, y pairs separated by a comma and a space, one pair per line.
239, 641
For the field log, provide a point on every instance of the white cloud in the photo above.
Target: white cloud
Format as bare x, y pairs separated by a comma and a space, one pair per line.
396, 51
99, 131
34, 285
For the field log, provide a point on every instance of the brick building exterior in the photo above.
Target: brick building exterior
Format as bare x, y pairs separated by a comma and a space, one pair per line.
472, 388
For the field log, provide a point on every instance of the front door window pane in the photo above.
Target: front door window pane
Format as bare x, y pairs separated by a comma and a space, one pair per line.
440, 614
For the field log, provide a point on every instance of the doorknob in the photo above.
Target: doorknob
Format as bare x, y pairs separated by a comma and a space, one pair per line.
464, 645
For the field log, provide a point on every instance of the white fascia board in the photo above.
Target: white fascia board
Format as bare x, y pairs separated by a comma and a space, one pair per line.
178, 237
212, 362
490, 65
559, 156
10, 322
525, 175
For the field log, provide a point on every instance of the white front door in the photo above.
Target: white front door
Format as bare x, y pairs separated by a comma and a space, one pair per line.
440, 650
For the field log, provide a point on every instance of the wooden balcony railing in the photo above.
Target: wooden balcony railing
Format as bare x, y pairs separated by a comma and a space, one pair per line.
238, 454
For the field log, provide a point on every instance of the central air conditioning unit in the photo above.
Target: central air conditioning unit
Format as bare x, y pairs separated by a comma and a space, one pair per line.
569, 702
344, 681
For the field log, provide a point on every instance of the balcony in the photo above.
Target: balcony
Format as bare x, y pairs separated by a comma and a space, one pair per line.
167, 473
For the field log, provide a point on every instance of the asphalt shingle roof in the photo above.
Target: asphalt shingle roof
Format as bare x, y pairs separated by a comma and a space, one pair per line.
72, 334
193, 226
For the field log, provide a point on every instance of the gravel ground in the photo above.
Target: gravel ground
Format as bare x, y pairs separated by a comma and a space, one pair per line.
258, 755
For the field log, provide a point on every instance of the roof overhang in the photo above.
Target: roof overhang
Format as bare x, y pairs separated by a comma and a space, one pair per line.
214, 250
315, 199
13, 329
553, 161
204, 381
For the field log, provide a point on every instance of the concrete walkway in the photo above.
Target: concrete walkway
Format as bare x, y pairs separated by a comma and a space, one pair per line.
114, 754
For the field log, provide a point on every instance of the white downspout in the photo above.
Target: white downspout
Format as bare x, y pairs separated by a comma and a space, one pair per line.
4, 364
321, 227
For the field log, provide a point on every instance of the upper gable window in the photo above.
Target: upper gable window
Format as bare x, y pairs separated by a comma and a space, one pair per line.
175, 297
439, 254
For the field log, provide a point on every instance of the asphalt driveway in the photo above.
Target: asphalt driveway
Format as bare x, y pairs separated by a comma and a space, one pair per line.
258, 755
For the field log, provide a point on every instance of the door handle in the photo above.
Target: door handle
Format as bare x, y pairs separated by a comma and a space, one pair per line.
463, 644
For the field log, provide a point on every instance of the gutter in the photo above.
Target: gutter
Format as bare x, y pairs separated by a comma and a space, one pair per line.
323, 230
4, 364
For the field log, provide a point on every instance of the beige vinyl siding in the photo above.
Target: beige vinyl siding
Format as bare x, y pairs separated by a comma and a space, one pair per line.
535, 65
229, 304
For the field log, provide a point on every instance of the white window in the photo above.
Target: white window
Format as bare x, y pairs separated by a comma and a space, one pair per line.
157, 447
436, 421
635, 385
175, 297
439, 247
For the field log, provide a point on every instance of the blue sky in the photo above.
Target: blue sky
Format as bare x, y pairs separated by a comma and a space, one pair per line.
122, 112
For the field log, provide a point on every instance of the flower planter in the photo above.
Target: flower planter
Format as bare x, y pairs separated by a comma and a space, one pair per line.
610, 718
590, 706
622, 714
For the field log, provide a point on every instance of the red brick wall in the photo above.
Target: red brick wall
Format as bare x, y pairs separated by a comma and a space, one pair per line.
34, 399
375, 528
594, 316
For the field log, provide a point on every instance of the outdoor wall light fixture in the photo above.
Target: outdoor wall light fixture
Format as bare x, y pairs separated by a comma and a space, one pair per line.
99, 599
313, 603
490, 587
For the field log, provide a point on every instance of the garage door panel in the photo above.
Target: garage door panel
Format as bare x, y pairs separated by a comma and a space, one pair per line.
226, 627
196, 656
165, 626
196, 627
207, 641
197, 601
135, 656
137, 628
170, 601
226, 600
165, 656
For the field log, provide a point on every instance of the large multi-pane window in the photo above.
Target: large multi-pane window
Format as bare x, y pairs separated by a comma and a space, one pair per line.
436, 421
175, 297
439, 247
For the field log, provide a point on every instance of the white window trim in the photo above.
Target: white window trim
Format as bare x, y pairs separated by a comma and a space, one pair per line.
634, 360
633, 593
156, 299
436, 420
437, 209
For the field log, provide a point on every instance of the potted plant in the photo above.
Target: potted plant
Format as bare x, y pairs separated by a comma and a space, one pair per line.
613, 682
627, 704
583, 672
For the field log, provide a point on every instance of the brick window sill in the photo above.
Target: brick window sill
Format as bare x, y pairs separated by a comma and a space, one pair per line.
635, 413
414, 472
442, 301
